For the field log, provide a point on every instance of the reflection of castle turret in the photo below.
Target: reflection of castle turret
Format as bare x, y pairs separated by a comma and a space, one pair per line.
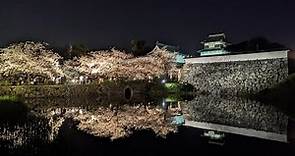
214, 45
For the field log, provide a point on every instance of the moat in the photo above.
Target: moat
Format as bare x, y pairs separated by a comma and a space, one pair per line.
123, 124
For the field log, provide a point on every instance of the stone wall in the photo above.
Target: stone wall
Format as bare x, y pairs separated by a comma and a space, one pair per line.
236, 74
106, 90
41, 91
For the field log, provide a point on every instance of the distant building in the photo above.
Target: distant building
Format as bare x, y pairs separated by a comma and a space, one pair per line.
179, 57
214, 45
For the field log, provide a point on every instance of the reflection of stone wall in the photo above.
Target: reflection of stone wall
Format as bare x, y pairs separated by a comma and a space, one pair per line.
236, 112
236, 77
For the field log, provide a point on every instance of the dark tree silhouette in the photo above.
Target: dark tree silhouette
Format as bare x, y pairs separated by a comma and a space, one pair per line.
70, 51
139, 47
79, 50
255, 45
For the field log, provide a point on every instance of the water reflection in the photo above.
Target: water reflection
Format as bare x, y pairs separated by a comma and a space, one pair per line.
114, 122
37, 123
27, 134
237, 112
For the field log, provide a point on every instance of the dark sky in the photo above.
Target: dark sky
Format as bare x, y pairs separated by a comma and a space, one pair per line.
104, 23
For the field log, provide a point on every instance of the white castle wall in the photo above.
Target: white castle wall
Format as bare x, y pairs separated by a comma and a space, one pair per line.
239, 57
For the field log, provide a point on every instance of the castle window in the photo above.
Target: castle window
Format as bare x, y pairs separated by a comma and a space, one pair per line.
218, 46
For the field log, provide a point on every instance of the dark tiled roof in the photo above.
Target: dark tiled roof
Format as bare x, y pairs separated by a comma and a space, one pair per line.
168, 47
214, 38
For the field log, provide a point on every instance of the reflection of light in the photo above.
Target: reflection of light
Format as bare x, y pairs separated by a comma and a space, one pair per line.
163, 104
163, 81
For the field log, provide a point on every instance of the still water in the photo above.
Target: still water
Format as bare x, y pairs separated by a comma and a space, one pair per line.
112, 126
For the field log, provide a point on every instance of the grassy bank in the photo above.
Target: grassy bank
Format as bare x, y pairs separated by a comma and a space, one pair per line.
9, 99
75, 90
40, 91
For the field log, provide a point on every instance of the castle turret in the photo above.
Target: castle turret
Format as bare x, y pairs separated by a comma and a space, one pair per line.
214, 45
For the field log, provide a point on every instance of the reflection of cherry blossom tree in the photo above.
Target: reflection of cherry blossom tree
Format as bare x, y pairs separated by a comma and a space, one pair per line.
118, 123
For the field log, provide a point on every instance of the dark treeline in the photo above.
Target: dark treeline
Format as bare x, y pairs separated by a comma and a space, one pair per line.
255, 45
137, 48
140, 48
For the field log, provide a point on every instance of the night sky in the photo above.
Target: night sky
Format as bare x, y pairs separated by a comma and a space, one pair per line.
106, 23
